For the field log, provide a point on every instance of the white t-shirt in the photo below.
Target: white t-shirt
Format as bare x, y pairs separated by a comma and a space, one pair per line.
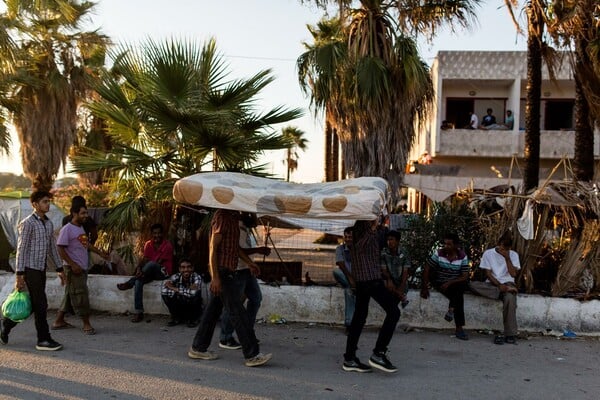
474, 122
494, 261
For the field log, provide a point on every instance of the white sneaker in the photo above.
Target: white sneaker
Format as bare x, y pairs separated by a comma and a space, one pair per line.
202, 355
258, 360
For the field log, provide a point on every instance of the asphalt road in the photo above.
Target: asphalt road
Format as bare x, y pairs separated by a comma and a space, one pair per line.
149, 361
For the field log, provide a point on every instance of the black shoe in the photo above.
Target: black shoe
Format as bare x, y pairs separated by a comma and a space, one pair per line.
48, 345
510, 340
380, 361
124, 285
193, 323
355, 366
173, 322
230, 344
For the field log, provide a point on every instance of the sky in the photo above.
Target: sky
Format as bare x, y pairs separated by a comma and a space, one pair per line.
254, 35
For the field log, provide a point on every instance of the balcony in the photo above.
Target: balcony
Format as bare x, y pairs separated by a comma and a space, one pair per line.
503, 143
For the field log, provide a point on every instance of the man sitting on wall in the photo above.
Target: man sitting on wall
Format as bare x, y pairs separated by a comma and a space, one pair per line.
501, 265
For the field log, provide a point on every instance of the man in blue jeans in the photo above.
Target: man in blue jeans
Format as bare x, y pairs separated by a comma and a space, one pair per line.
156, 265
343, 275
224, 251
247, 281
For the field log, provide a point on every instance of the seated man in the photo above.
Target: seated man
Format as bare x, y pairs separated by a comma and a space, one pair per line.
488, 119
501, 265
182, 296
343, 276
395, 266
509, 121
448, 271
156, 264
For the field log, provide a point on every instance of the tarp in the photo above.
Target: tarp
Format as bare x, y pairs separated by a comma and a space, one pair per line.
14, 209
359, 198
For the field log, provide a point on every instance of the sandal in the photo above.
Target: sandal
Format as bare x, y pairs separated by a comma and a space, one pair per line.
499, 339
139, 317
90, 331
449, 316
66, 325
462, 335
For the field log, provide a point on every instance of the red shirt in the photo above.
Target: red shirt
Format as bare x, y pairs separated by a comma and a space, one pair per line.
163, 254
226, 223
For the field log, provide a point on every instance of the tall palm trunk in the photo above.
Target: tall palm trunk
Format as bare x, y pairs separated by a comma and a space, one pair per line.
328, 147
335, 156
583, 162
535, 25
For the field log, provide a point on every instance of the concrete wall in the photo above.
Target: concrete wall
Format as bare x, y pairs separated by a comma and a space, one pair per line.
326, 305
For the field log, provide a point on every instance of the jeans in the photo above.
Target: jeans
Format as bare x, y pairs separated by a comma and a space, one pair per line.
184, 308
364, 291
248, 285
231, 299
349, 297
455, 293
36, 285
152, 271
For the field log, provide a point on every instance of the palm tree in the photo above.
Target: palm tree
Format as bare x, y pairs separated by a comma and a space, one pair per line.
364, 71
52, 59
297, 142
172, 110
573, 26
373, 86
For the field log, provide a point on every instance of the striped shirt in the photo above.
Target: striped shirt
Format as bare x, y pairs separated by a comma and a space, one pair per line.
184, 286
36, 244
446, 269
225, 222
365, 253
395, 263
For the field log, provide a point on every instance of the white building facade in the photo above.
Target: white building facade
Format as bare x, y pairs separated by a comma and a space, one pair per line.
486, 157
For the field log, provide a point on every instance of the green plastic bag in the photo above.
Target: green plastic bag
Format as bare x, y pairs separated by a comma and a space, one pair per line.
17, 306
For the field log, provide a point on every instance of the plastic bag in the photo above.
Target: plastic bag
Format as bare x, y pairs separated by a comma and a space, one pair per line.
17, 306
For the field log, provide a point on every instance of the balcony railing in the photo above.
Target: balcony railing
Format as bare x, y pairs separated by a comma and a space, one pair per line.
504, 143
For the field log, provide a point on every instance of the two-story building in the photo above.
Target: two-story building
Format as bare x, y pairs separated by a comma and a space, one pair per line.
454, 156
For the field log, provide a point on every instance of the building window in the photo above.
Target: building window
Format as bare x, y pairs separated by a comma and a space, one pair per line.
558, 115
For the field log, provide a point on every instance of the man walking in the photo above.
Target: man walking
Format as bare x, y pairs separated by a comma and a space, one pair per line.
35, 245
73, 245
343, 275
248, 284
224, 251
369, 284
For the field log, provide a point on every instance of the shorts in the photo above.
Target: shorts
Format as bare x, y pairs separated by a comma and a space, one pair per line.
76, 298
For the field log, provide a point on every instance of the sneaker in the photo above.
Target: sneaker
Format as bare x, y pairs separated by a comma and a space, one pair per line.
355, 366
257, 360
380, 361
462, 335
510, 340
202, 355
48, 345
230, 344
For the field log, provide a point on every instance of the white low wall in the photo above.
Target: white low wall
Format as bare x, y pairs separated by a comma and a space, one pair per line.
326, 305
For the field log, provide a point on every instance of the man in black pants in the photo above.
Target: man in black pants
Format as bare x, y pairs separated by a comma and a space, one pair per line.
35, 244
367, 274
226, 289
448, 271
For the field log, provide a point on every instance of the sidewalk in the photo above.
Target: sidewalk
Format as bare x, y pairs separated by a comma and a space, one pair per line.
149, 361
